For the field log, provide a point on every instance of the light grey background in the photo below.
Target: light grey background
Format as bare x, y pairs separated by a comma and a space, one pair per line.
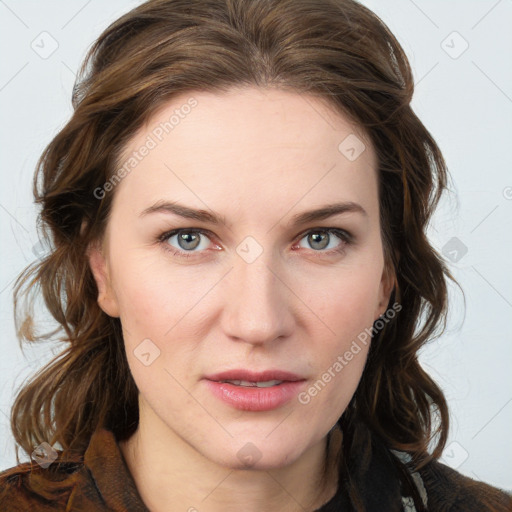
464, 97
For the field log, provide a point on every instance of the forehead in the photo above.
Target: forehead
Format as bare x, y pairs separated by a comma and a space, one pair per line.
248, 148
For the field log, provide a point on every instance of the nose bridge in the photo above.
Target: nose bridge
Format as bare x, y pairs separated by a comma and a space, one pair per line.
257, 297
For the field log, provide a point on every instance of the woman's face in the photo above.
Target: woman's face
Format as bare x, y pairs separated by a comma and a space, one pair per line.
260, 290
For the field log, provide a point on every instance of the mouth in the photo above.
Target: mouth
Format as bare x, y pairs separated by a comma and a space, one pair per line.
248, 384
255, 391
242, 376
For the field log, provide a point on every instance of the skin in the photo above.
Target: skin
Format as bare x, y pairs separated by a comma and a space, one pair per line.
257, 157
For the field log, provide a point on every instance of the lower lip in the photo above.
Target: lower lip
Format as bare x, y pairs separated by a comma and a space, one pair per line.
253, 398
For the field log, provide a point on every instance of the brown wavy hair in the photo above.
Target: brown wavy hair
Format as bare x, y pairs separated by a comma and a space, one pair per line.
335, 50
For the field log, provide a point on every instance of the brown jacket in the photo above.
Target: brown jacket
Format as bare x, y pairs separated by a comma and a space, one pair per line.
102, 482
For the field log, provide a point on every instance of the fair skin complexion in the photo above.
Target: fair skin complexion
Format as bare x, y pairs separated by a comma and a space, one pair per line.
257, 157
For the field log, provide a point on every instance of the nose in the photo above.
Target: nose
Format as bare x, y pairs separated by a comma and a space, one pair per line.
259, 303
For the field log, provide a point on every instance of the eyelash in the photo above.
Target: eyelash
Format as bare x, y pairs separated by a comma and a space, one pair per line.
345, 237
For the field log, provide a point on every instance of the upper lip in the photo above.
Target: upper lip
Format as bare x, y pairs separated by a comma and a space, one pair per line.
250, 376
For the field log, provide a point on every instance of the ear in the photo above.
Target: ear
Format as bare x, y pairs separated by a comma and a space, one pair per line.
99, 266
387, 285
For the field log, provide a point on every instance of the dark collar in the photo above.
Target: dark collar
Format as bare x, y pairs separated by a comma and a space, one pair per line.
105, 463
374, 470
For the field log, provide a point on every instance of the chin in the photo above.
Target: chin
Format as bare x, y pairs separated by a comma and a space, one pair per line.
257, 454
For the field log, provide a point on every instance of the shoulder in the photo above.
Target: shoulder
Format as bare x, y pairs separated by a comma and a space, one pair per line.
31, 487
96, 479
449, 490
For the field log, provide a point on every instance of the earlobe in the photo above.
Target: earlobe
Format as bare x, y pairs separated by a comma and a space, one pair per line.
99, 268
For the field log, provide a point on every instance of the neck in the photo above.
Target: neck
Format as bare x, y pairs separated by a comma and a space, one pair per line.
168, 470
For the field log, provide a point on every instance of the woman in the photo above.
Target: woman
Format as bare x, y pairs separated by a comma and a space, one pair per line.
237, 209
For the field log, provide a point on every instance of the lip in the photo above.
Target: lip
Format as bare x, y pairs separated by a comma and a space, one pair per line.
253, 398
251, 376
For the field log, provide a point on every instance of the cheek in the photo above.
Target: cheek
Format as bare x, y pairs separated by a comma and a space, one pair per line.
142, 311
345, 302
347, 314
157, 304
328, 396
144, 290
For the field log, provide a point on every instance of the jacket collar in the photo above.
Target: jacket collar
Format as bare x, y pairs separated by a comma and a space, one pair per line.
106, 465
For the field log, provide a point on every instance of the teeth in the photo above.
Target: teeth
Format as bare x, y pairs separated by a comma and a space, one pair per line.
265, 384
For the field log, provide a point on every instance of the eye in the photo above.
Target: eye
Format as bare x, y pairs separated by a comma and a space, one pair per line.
320, 238
183, 242
186, 239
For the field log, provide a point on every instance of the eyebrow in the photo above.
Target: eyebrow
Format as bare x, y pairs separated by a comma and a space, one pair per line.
322, 213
